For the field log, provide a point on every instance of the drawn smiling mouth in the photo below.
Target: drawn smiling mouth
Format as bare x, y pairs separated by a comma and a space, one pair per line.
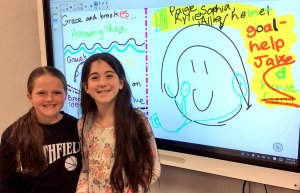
210, 101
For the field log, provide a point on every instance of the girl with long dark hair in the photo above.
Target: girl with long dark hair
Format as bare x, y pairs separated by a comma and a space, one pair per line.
119, 149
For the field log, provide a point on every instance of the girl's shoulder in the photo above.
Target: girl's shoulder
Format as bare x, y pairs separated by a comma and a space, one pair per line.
80, 120
86, 120
6, 133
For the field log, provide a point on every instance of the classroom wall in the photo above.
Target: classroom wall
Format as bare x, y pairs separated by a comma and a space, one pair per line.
19, 53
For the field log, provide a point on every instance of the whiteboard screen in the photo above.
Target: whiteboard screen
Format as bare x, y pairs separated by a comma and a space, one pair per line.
216, 79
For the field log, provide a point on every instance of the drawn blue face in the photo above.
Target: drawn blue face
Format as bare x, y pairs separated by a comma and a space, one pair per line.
205, 76
209, 90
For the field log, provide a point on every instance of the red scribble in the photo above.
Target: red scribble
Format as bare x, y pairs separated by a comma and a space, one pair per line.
279, 101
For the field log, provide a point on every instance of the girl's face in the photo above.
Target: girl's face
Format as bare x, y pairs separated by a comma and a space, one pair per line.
47, 97
103, 83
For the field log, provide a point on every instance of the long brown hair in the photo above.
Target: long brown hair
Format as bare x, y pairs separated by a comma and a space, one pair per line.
133, 153
27, 136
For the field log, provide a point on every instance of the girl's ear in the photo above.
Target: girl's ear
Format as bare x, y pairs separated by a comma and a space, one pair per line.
121, 84
29, 96
84, 86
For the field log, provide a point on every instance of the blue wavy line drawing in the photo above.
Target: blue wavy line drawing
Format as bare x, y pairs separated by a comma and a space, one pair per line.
108, 46
92, 50
103, 50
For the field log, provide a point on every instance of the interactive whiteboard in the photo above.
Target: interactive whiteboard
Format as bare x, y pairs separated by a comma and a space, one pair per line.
216, 79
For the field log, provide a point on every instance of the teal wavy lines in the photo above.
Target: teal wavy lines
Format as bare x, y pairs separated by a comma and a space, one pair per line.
136, 47
239, 106
103, 50
114, 42
155, 123
184, 92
